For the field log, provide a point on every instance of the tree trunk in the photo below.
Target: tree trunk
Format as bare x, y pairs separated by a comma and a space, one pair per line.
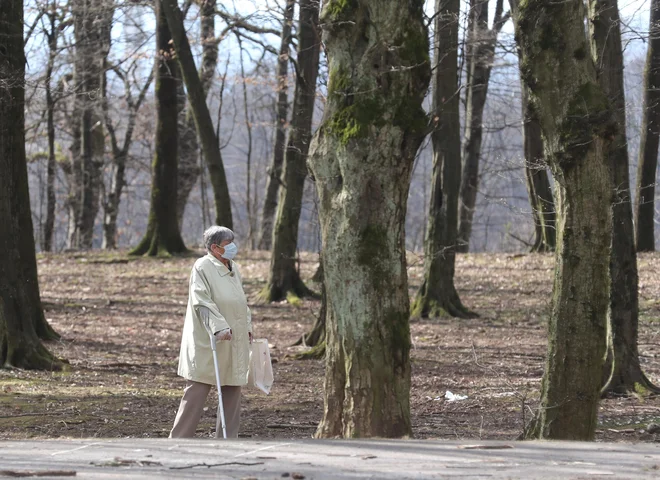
482, 52
275, 170
284, 280
317, 335
49, 224
437, 295
477, 90
111, 204
189, 168
22, 321
649, 138
203, 121
578, 125
361, 159
622, 373
537, 181
249, 207
163, 236
92, 25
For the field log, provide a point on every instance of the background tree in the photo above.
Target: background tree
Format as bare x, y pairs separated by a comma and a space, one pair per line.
120, 153
649, 138
481, 53
284, 280
189, 169
55, 18
622, 370
437, 295
163, 235
578, 125
22, 321
315, 338
92, 24
537, 181
197, 98
361, 159
275, 169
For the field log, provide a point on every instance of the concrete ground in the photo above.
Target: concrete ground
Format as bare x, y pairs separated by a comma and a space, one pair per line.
326, 459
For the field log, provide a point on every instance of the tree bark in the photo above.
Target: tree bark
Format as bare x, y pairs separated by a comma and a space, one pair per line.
189, 169
578, 126
649, 139
284, 280
316, 336
622, 372
361, 159
163, 236
22, 321
92, 25
49, 224
537, 181
437, 295
483, 41
203, 121
275, 169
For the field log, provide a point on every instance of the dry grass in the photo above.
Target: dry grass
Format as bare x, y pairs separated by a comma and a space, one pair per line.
120, 320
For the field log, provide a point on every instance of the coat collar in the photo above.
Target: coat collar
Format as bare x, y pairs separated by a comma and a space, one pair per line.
222, 269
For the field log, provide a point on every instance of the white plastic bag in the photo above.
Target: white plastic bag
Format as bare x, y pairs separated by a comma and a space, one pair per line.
260, 373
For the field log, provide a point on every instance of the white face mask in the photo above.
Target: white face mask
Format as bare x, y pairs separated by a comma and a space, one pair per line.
230, 251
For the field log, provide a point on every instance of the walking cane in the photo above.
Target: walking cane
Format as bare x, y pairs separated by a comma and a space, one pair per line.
220, 416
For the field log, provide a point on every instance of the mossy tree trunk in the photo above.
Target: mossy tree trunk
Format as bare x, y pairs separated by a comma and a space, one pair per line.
622, 373
361, 159
284, 279
537, 181
437, 295
163, 236
482, 41
189, 170
22, 321
197, 98
649, 139
578, 125
275, 169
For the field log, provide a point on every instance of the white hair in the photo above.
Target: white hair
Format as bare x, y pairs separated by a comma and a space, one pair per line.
215, 235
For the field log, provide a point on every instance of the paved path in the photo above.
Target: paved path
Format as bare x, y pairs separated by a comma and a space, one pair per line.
328, 459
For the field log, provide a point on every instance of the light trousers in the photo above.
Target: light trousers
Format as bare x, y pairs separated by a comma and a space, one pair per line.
192, 406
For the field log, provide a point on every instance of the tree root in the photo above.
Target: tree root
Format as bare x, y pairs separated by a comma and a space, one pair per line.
152, 245
447, 305
636, 383
45, 331
313, 338
315, 353
34, 357
276, 293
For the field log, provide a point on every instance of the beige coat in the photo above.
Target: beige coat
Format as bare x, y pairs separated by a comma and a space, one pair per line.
212, 285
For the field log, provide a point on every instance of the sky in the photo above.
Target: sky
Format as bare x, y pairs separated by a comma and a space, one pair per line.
634, 13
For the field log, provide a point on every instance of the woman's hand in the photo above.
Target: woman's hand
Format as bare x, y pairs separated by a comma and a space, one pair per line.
223, 335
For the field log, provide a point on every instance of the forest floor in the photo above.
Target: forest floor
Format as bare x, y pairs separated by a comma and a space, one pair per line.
120, 319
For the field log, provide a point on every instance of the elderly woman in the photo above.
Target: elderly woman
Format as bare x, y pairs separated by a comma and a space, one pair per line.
216, 298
